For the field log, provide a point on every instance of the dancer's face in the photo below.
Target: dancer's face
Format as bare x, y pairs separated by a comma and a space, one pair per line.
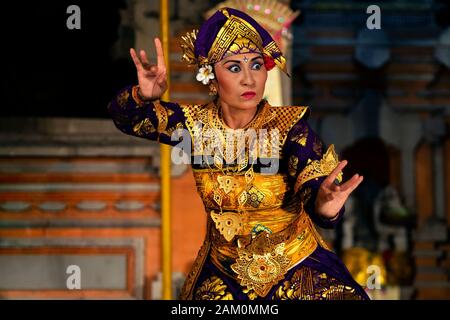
241, 80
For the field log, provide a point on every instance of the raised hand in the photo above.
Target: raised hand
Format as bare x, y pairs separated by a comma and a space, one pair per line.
331, 197
152, 78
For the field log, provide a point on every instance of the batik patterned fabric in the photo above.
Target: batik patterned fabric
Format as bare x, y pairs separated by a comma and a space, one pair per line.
261, 240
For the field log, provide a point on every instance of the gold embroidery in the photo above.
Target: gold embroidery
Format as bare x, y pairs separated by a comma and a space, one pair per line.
319, 168
241, 45
136, 97
233, 28
213, 288
309, 284
301, 138
261, 264
317, 146
144, 127
204, 120
171, 130
292, 165
122, 98
300, 286
251, 294
162, 115
286, 118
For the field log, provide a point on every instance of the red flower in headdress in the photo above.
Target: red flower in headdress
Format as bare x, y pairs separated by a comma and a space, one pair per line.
269, 63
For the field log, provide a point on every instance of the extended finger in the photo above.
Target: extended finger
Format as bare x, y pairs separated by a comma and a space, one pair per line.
135, 58
332, 176
352, 184
159, 54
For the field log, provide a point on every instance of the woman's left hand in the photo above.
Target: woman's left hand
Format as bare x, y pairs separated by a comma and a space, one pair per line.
331, 197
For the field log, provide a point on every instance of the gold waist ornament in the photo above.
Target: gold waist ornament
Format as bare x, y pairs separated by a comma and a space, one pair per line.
260, 260
228, 224
261, 264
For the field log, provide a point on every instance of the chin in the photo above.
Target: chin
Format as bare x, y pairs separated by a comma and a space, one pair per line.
248, 104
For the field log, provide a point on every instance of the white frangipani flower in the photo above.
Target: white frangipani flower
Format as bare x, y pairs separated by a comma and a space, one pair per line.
205, 74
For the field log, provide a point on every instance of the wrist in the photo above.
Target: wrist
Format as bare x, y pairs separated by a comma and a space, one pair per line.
138, 97
326, 216
141, 96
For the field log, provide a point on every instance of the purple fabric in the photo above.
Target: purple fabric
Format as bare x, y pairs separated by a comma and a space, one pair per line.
211, 27
304, 153
130, 114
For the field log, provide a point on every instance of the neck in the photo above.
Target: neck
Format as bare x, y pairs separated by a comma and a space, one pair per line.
236, 118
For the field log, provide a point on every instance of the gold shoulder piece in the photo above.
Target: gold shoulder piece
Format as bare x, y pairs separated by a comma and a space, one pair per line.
319, 168
187, 45
286, 117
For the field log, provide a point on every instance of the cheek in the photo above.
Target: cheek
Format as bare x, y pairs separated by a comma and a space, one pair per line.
226, 84
262, 80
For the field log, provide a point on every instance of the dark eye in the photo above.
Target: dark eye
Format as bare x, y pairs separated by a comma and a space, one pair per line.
256, 66
234, 68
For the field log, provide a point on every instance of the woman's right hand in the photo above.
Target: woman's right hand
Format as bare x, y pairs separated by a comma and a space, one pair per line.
152, 78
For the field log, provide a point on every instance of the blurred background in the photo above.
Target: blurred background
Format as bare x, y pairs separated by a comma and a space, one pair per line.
76, 191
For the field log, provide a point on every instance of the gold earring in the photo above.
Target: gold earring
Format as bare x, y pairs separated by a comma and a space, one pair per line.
212, 89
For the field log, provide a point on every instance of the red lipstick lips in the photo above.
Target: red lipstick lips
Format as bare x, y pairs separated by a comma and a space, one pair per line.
248, 94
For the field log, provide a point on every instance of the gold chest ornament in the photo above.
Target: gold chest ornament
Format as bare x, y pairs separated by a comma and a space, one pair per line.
230, 223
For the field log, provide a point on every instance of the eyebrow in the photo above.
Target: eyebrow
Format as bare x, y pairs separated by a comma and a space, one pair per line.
238, 61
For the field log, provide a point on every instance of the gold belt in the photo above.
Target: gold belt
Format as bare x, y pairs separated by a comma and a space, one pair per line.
260, 261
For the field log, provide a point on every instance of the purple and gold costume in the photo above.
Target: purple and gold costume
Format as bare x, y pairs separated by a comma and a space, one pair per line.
261, 240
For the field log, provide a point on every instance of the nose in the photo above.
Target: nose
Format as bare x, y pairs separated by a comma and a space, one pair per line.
247, 77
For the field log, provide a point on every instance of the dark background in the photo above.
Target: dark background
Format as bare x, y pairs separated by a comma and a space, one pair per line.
49, 70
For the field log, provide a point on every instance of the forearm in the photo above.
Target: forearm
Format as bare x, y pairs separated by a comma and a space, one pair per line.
150, 119
132, 115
